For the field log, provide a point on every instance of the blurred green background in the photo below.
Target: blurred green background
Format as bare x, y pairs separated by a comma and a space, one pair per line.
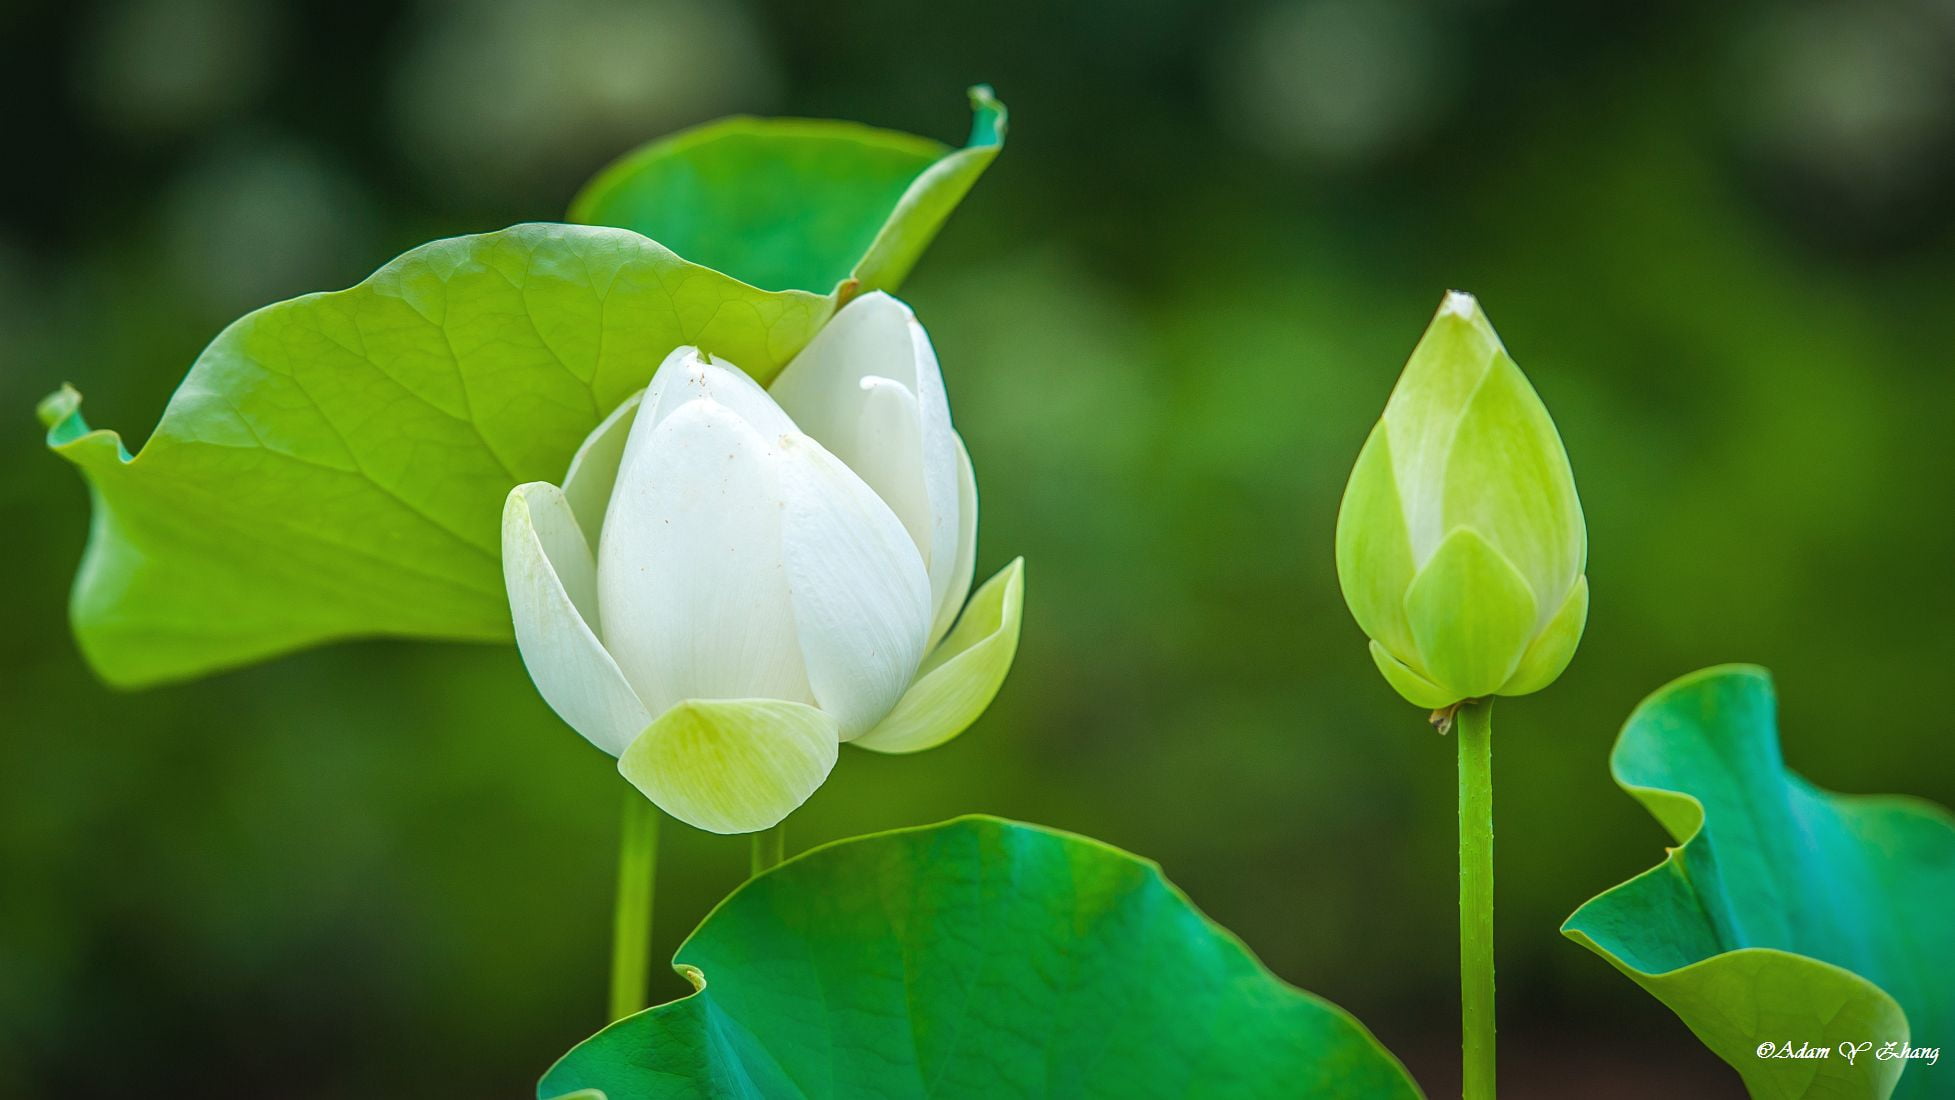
1718, 237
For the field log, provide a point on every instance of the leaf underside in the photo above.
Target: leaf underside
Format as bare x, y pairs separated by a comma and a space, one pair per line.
334, 466
978, 958
1788, 914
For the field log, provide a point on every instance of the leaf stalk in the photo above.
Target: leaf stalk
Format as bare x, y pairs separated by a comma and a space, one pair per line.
769, 848
631, 923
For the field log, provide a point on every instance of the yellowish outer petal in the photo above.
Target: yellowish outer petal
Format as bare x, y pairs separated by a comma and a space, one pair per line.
1555, 646
961, 677
1416, 689
1472, 615
1507, 477
1374, 551
732, 765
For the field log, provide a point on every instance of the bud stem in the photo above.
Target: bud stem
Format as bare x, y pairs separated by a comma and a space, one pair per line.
631, 923
1476, 899
769, 848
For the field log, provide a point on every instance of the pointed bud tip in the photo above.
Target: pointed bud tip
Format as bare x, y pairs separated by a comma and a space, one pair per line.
1460, 307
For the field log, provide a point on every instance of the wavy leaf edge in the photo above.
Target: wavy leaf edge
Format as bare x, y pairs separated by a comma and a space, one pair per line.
1150, 868
1688, 830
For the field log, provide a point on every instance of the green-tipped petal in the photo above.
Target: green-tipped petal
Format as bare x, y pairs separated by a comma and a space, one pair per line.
1416, 689
1472, 615
1374, 550
1554, 648
1507, 476
963, 675
732, 765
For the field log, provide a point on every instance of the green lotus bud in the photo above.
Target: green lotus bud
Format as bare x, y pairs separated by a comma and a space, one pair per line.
1460, 543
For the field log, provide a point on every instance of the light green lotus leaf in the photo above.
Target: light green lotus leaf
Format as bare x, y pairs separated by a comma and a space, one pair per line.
334, 466
975, 959
1790, 917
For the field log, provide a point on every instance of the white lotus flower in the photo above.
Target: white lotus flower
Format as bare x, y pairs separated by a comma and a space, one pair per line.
774, 573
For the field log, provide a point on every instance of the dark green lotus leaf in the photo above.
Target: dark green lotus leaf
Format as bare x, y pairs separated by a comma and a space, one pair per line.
982, 959
795, 204
1789, 915
334, 466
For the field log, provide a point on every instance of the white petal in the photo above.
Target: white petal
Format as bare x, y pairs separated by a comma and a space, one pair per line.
688, 374
671, 374
861, 596
685, 374
594, 468
888, 444
941, 448
552, 598
729, 386
869, 389
690, 580
965, 566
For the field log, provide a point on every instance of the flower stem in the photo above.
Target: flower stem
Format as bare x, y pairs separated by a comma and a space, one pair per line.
631, 924
1476, 899
769, 848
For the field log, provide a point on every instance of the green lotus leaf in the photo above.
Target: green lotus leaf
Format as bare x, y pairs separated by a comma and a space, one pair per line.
334, 466
795, 204
1789, 915
978, 958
